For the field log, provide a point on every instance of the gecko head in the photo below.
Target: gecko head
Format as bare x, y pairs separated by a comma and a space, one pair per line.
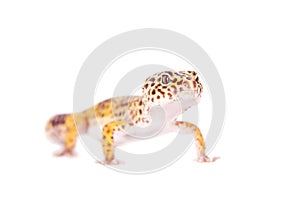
169, 86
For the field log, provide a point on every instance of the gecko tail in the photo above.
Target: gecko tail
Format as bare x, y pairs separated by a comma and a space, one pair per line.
56, 128
56, 120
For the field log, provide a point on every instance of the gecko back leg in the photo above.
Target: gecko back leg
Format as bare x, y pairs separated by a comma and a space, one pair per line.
71, 136
62, 129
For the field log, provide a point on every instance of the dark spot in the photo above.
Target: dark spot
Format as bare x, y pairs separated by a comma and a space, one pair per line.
152, 84
180, 82
158, 97
153, 92
140, 103
146, 86
194, 84
101, 106
140, 111
174, 80
59, 119
157, 85
160, 91
174, 88
152, 99
186, 84
124, 104
189, 78
152, 79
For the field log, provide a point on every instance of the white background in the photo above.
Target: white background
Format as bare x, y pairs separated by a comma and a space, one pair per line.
255, 46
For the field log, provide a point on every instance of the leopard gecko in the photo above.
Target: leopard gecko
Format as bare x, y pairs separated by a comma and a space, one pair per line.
117, 113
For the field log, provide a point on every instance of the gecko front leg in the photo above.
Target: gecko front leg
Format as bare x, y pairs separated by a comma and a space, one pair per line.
202, 157
108, 140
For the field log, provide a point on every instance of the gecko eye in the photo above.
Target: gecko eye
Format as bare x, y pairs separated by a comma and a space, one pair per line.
165, 79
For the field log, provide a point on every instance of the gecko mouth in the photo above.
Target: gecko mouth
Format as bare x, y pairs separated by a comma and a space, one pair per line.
191, 93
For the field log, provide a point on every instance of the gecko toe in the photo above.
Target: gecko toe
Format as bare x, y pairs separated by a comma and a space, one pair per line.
105, 162
206, 159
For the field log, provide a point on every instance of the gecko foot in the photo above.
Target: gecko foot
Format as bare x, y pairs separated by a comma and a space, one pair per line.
105, 162
64, 152
205, 159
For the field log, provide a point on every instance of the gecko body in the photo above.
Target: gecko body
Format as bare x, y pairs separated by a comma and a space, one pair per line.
118, 113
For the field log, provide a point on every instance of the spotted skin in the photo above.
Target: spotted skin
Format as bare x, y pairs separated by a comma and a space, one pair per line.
115, 114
